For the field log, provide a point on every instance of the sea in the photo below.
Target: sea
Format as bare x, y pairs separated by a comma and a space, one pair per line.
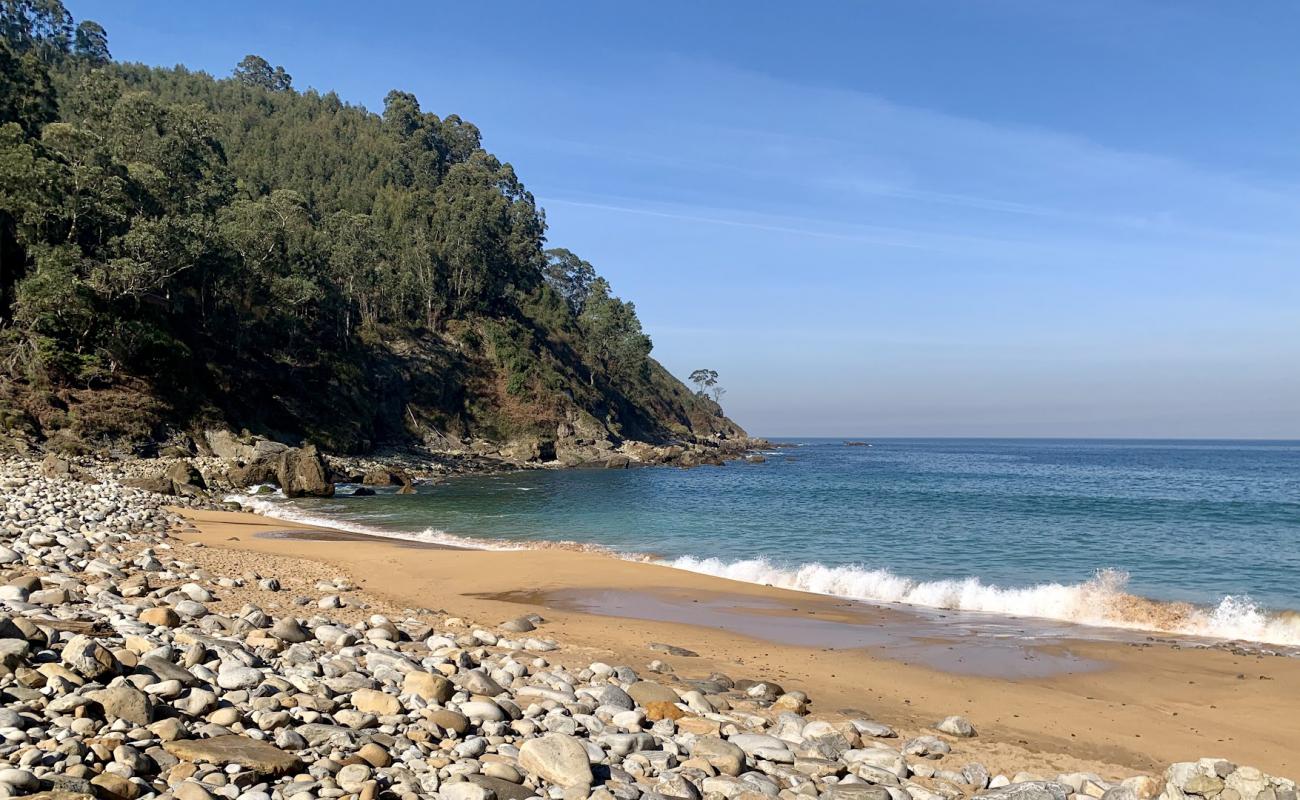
1198, 538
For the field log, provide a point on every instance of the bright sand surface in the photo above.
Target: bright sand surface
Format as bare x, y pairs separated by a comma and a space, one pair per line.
1064, 704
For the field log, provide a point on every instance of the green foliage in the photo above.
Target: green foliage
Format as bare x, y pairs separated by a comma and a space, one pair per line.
160, 223
90, 43
613, 336
570, 276
256, 71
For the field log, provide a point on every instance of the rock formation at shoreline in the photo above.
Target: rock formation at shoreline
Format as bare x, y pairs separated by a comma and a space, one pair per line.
126, 674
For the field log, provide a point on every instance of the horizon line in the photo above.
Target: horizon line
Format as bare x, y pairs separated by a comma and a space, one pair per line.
867, 438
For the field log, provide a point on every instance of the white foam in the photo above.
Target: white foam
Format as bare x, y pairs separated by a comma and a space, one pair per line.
1100, 601
273, 505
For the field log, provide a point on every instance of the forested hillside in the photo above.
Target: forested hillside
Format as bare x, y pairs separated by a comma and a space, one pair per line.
179, 251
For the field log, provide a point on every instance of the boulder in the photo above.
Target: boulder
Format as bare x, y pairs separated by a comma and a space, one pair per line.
672, 650
503, 789
372, 701
956, 726
301, 472
427, 686
125, 702
531, 449
184, 474
54, 467
246, 449
558, 759
160, 616
259, 757
1028, 790
111, 786
723, 756
855, 791
288, 629
656, 710
379, 477
158, 484
252, 473
647, 692
518, 625
88, 657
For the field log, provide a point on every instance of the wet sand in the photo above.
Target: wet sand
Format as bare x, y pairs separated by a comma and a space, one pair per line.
1058, 704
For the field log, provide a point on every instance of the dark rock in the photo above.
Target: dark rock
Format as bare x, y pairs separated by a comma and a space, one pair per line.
673, 650
504, 790
158, 484
251, 474
183, 473
379, 477
302, 472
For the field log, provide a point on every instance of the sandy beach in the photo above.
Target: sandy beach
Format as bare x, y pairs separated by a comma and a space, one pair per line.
1116, 708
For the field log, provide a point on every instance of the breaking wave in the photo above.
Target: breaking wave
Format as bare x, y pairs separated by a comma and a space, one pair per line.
278, 509
273, 505
1101, 601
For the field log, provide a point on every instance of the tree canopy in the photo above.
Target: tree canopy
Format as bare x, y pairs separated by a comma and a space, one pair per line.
157, 223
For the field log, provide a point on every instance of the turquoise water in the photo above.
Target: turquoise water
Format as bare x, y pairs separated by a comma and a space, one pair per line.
1062, 529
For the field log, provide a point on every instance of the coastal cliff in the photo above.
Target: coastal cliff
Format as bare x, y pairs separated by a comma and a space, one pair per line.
181, 253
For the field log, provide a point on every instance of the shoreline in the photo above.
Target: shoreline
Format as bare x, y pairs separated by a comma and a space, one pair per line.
1102, 707
1104, 610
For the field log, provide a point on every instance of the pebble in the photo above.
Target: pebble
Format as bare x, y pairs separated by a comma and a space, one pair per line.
170, 689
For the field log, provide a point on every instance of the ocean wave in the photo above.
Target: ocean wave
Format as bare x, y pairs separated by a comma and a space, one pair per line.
1100, 601
273, 505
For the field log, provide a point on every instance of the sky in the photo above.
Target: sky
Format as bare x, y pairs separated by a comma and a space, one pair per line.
905, 218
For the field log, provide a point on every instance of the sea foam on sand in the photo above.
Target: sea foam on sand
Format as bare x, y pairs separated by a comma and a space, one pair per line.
1101, 601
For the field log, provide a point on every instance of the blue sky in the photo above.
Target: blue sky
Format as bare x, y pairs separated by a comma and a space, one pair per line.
997, 217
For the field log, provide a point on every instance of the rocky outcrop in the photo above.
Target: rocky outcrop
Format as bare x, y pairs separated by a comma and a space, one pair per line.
298, 471
529, 450
301, 472
245, 448
241, 476
181, 479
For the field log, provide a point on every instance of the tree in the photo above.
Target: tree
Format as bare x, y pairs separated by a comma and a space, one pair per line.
706, 384
704, 379
43, 27
90, 43
570, 276
163, 229
256, 71
613, 335
353, 265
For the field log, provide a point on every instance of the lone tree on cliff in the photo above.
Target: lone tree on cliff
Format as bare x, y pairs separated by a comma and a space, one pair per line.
706, 384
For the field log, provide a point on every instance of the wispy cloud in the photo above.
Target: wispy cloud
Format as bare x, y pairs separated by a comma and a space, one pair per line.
917, 240
769, 146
